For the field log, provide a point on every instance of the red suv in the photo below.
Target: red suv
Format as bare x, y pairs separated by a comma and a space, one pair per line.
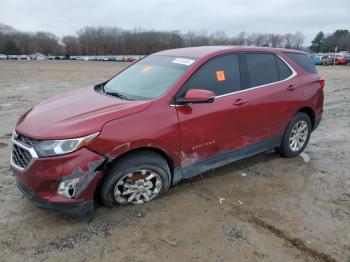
170, 116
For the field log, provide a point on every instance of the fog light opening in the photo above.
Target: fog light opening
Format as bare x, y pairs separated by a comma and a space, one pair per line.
67, 188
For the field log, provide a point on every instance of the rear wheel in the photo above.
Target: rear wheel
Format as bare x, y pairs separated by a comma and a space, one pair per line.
137, 178
297, 136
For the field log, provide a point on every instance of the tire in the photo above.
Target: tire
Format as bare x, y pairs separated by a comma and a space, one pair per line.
141, 165
298, 123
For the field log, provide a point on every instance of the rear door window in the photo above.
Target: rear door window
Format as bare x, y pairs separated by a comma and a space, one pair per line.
262, 69
220, 75
303, 61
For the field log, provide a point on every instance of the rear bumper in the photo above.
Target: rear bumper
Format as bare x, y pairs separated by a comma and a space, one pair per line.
83, 208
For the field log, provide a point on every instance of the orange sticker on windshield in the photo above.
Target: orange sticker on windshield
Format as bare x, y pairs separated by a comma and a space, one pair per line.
146, 69
220, 75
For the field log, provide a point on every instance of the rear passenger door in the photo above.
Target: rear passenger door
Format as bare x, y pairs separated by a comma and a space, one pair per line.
266, 79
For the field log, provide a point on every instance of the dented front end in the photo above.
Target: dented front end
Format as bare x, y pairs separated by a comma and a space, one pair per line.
63, 183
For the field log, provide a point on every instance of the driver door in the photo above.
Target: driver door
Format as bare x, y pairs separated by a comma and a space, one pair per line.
208, 129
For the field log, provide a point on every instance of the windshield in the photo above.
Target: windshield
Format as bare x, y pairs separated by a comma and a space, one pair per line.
148, 78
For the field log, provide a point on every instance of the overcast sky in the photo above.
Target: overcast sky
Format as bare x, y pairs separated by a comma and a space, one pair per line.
64, 17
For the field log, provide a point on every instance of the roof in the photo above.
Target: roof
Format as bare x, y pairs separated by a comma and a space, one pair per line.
202, 51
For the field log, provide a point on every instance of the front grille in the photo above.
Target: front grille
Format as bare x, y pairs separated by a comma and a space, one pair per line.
20, 156
24, 140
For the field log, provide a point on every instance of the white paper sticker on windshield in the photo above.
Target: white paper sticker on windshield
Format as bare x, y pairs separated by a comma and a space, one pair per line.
183, 61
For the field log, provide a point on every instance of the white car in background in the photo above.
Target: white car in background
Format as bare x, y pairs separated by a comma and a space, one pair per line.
3, 57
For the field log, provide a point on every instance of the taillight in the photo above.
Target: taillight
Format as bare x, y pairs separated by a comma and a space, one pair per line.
322, 82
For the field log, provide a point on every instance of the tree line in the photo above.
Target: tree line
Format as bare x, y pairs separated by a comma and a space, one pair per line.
116, 41
14, 42
339, 40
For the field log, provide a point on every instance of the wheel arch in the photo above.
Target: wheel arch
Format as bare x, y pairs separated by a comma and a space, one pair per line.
310, 112
159, 151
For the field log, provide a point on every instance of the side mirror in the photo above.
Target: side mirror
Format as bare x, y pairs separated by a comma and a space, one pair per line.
197, 96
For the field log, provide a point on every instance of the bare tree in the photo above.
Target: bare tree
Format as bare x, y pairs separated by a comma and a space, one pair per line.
72, 46
298, 40
219, 38
288, 40
116, 41
275, 40
242, 38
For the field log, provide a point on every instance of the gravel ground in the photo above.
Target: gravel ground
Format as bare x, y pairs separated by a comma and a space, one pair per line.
281, 210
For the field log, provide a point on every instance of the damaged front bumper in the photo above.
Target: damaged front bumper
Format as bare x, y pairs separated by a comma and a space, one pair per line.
80, 208
43, 182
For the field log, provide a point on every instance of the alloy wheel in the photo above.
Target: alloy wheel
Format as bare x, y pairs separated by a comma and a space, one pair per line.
298, 135
137, 187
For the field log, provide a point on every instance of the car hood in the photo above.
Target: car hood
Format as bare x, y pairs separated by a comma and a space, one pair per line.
75, 114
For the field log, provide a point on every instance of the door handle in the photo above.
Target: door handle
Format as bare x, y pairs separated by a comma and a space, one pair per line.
291, 87
239, 102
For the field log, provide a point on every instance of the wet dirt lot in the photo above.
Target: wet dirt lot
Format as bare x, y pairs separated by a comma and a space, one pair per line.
264, 208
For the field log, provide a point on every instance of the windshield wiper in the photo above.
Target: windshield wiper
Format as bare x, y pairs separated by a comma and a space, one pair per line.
116, 94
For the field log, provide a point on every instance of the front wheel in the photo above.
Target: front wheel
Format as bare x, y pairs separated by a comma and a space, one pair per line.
135, 179
297, 136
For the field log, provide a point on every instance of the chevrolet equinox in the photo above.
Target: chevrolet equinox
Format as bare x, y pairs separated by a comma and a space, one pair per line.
170, 116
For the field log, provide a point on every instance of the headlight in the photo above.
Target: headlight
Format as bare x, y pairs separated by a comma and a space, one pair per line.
60, 147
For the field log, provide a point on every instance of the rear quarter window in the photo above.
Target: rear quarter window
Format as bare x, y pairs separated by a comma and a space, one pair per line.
283, 70
303, 61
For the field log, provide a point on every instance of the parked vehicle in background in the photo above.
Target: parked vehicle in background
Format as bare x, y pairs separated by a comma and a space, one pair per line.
126, 59
37, 56
330, 59
326, 60
13, 57
347, 59
24, 57
315, 58
130, 59
339, 60
170, 116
